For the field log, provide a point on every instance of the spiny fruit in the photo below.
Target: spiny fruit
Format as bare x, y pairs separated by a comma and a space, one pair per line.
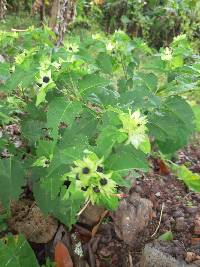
99, 169
96, 189
85, 170
45, 79
103, 181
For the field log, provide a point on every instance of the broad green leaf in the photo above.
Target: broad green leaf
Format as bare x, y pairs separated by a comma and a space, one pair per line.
196, 110
61, 110
145, 146
108, 137
90, 82
167, 236
173, 124
32, 129
63, 209
104, 62
12, 178
127, 158
16, 252
192, 180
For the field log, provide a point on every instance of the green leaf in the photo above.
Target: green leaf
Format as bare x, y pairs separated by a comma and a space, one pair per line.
61, 110
63, 209
108, 137
12, 178
167, 236
16, 252
196, 110
172, 125
90, 82
192, 180
104, 62
32, 129
127, 158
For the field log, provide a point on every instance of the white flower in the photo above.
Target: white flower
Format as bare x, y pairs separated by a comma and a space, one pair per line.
167, 54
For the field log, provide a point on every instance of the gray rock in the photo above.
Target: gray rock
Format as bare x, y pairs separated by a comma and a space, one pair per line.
132, 218
153, 257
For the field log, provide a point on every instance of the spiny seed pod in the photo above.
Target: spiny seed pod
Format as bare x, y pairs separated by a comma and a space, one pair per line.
103, 181
84, 188
45, 79
85, 170
99, 169
96, 189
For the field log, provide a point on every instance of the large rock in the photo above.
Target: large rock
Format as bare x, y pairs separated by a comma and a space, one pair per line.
153, 257
28, 219
132, 217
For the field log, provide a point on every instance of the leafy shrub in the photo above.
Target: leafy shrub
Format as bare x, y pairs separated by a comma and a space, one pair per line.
89, 113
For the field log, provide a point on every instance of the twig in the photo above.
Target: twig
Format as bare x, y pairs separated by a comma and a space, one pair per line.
130, 260
84, 207
161, 212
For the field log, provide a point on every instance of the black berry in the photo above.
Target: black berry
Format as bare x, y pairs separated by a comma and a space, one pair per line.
138, 124
47, 162
84, 188
99, 169
46, 79
96, 189
85, 170
103, 181
67, 183
70, 48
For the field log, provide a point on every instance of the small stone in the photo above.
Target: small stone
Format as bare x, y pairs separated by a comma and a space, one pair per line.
191, 210
197, 225
178, 214
195, 240
157, 194
180, 224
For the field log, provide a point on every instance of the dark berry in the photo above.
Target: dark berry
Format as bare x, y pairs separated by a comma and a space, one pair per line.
77, 177
47, 162
84, 188
70, 48
99, 169
85, 170
138, 124
96, 189
39, 84
46, 79
67, 183
146, 112
103, 181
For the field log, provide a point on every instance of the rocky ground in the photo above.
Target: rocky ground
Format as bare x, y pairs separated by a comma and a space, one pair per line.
156, 203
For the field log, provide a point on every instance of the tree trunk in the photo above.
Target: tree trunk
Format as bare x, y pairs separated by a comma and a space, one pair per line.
3, 8
62, 13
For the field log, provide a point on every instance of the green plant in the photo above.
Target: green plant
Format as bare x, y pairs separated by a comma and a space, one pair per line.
87, 112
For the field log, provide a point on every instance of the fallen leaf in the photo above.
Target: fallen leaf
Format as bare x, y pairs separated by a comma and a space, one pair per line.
96, 227
62, 256
167, 236
163, 169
